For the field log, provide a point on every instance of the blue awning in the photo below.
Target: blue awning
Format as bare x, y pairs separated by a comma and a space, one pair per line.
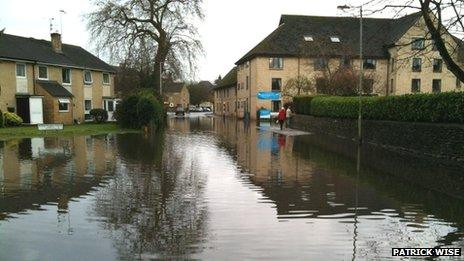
273, 96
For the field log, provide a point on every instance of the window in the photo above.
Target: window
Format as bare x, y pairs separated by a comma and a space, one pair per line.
458, 84
335, 39
368, 86
417, 43
416, 64
43, 72
437, 65
276, 63
66, 75
369, 64
415, 85
247, 82
87, 108
436, 86
392, 90
63, 105
320, 64
276, 84
106, 78
392, 64
276, 106
308, 38
21, 70
87, 77
345, 62
238, 87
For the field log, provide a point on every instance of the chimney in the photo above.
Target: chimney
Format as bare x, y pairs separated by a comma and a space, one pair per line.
56, 42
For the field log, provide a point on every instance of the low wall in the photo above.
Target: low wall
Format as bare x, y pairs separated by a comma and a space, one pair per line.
430, 139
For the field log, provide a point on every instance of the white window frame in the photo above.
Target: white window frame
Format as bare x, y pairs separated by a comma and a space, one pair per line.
63, 101
91, 78
103, 79
70, 76
25, 70
271, 63
38, 72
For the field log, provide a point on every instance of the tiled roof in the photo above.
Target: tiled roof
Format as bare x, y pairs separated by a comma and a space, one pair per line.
54, 88
41, 51
289, 38
229, 80
173, 87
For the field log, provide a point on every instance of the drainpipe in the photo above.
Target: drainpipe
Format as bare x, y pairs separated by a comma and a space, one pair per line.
388, 76
33, 77
249, 85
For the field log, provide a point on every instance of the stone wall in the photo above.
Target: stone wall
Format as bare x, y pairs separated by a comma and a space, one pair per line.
435, 140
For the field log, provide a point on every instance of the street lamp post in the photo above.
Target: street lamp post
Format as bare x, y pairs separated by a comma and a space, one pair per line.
361, 66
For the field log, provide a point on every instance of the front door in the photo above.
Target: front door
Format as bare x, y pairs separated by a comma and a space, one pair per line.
109, 106
36, 109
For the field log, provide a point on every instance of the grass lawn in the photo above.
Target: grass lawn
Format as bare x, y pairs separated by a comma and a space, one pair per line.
68, 130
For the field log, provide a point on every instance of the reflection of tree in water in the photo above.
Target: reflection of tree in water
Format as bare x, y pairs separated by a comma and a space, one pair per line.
154, 214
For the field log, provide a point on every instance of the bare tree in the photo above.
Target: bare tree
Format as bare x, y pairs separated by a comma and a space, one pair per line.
163, 32
444, 24
296, 86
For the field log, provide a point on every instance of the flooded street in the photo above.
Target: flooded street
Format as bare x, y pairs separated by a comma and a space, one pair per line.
212, 189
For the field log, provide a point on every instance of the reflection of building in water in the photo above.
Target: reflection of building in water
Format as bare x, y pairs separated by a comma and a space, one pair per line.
41, 170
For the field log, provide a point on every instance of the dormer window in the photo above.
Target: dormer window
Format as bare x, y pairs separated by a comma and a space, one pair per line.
335, 39
308, 38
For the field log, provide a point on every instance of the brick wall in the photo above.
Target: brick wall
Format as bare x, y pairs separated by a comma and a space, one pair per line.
436, 140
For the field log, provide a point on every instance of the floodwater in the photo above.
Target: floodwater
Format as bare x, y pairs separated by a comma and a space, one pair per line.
211, 189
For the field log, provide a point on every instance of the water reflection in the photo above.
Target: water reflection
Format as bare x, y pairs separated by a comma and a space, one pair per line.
208, 188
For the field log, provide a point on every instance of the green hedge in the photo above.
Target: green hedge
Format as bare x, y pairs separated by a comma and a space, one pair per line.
139, 110
444, 107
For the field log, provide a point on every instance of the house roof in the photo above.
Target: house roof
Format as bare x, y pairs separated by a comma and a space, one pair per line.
173, 87
54, 88
288, 38
229, 80
41, 51
206, 84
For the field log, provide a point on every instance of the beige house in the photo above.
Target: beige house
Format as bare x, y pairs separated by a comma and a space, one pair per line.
50, 82
225, 95
176, 94
398, 58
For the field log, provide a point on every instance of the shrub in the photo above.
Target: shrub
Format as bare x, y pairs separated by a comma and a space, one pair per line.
99, 115
444, 107
1, 120
12, 119
139, 110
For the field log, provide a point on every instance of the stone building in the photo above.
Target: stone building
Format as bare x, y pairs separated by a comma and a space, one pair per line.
225, 95
176, 94
398, 58
51, 82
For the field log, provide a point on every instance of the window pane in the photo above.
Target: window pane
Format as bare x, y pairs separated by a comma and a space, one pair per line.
110, 106
320, 64
106, 78
415, 85
437, 65
63, 106
416, 64
66, 75
20, 70
436, 86
368, 86
276, 84
43, 73
369, 64
87, 76
276, 63
87, 105
418, 43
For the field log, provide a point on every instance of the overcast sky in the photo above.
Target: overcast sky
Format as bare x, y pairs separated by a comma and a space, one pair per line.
230, 29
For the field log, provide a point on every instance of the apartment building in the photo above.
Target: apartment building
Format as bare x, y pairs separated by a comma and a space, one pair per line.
225, 95
51, 82
397, 58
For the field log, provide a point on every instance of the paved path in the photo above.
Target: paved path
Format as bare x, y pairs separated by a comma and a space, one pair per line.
285, 131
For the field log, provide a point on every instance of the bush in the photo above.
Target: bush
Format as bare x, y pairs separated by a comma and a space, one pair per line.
12, 119
444, 107
139, 110
1, 120
99, 115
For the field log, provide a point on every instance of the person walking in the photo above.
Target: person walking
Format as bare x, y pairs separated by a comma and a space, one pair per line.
281, 117
288, 115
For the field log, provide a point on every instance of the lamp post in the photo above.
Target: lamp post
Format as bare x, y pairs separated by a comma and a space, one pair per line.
361, 65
